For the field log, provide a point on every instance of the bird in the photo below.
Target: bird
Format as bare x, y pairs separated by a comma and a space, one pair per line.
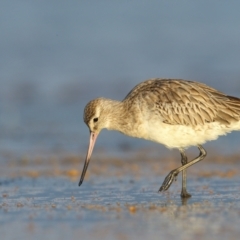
174, 112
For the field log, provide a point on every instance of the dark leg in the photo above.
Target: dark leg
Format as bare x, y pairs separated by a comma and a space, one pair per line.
184, 160
173, 174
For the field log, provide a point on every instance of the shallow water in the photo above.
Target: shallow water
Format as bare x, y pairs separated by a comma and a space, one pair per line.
56, 208
119, 199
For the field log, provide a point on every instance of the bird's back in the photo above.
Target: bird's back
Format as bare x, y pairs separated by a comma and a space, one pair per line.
181, 102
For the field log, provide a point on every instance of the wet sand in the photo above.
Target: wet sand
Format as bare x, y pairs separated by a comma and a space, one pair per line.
40, 198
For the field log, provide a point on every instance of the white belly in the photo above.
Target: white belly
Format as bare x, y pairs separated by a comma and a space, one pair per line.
180, 136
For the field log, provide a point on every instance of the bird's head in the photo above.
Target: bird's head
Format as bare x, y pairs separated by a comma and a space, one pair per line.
96, 116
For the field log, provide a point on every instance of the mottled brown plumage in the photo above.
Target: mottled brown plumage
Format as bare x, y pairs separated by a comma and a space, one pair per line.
174, 112
186, 102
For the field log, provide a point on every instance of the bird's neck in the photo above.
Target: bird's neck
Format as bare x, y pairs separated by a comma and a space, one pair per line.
125, 117
118, 115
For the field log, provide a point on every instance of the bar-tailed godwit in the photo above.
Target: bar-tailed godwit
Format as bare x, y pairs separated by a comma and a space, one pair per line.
174, 112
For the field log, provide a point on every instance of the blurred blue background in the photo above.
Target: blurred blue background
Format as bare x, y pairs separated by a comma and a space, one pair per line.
57, 55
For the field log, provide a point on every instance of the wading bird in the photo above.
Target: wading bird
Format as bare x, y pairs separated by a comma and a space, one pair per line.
176, 113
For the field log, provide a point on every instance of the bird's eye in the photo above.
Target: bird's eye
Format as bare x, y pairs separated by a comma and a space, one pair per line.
95, 119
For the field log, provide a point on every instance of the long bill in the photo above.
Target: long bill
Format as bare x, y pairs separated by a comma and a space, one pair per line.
93, 137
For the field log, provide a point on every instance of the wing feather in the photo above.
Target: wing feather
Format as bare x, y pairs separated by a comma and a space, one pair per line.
184, 102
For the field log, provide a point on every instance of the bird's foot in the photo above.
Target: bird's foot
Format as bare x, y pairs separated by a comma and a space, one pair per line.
185, 194
168, 180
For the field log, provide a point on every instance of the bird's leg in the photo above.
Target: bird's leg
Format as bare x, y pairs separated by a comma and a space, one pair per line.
173, 174
184, 160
